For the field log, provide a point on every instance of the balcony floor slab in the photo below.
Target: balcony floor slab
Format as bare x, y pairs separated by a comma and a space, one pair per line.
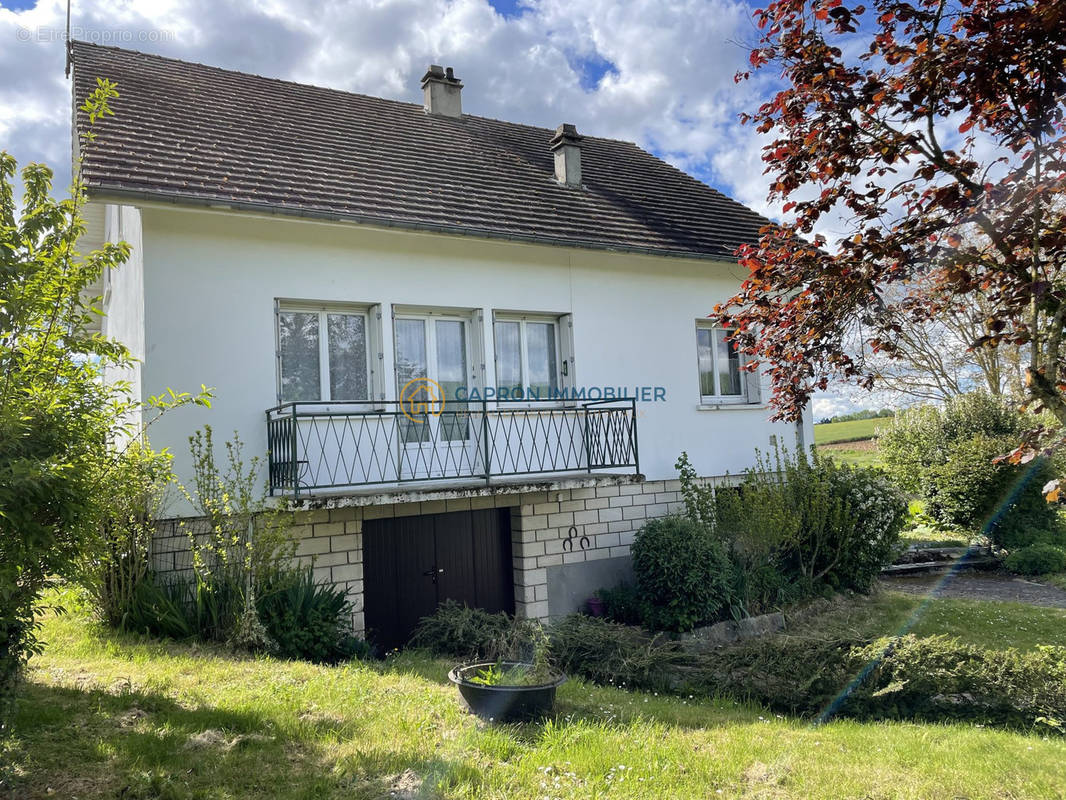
424, 491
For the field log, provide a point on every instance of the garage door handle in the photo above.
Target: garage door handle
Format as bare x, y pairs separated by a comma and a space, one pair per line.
429, 573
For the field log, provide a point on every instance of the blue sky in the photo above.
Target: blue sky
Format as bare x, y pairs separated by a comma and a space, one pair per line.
657, 72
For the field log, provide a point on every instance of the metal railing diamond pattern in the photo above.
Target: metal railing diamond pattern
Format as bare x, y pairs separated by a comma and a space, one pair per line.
324, 445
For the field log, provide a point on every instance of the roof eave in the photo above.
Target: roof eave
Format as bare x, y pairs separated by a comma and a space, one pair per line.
105, 193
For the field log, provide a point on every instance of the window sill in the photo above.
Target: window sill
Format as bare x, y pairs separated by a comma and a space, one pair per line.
726, 406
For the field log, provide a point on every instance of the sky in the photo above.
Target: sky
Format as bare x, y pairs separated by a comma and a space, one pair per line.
656, 72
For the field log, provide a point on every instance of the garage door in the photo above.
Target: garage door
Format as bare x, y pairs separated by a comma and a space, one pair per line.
412, 564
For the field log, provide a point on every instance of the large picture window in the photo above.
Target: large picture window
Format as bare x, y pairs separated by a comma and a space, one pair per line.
721, 378
527, 355
322, 353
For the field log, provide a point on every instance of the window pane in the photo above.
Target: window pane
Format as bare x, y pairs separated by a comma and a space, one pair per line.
451, 375
411, 364
728, 363
540, 350
298, 342
347, 356
508, 358
706, 361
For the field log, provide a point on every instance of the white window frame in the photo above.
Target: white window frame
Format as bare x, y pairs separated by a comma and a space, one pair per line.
371, 322
718, 398
563, 369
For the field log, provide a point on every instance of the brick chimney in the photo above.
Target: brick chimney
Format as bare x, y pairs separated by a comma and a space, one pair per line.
442, 92
566, 145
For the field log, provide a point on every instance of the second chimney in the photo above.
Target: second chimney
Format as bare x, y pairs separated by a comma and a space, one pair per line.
442, 92
566, 145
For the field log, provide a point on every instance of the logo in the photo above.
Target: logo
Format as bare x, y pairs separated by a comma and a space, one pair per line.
421, 397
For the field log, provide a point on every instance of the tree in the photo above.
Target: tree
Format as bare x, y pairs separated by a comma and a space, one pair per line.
935, 360
935, 129
59, 419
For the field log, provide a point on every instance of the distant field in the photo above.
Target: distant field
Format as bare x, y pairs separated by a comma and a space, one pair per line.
855, 431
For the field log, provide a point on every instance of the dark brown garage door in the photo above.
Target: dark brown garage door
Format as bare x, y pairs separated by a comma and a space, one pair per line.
412, 564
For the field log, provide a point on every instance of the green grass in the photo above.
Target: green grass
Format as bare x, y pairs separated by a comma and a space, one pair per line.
107, 716
984, 624
853, 431
866, 457
928, 536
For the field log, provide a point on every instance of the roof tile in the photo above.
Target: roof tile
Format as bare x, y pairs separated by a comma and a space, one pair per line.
191, 132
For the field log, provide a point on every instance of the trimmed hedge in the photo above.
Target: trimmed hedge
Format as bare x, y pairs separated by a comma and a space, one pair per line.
1036, 559
609, 653
934, 679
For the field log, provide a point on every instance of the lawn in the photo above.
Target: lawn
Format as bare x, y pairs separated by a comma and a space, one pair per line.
852, 431
851, 442
111, 716
985, 624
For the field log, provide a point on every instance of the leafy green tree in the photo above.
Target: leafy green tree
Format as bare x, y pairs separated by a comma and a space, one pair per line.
60, 421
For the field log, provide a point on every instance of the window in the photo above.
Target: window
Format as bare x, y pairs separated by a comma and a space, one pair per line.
323, 353
721, 379
527, 356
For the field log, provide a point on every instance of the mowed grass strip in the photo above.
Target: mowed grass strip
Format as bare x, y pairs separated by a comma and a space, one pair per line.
852, 431
106, 715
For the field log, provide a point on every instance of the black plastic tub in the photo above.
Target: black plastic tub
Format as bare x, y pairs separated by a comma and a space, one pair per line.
504, 703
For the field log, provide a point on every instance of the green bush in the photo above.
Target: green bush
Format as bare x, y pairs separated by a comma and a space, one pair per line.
623, 603
1036, 559
800, 525
1002, 500
851, 555
161, 608
609, 653
795, 675
133, 490
308, 620
947, 454
931, 679
920, 437
938, 679
683, 573
459, 631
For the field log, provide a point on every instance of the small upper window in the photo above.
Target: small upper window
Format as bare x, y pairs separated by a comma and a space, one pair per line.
721, 378
527, 356
322, 354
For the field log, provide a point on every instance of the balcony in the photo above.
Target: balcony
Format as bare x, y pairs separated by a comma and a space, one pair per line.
322, 448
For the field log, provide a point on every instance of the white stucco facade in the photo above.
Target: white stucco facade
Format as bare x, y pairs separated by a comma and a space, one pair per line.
196, 304
205, 283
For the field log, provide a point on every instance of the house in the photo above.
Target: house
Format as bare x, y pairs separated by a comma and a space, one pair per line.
472, 349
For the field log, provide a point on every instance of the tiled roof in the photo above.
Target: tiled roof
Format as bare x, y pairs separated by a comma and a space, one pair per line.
200, 134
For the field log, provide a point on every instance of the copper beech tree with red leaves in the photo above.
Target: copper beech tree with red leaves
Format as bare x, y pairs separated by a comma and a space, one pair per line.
935, 131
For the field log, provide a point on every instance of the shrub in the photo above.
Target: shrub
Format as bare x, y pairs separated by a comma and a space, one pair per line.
161, 608
932, 679
246, 542
1036, 559
920, 437
851, 555
970, 489
948, 454
469, 633
684, 575
133, 492
308, 620
800, 524
612, 654
623, 604
937, 678
795, 675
